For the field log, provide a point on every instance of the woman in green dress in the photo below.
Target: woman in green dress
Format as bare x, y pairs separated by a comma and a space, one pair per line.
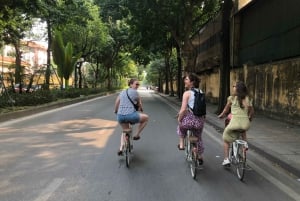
240, 106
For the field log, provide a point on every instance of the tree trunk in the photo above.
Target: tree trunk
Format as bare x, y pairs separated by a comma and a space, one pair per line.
225, 58
80, 75
109, 78
48, 70
167, 74
76, 76
179, 71
18, 64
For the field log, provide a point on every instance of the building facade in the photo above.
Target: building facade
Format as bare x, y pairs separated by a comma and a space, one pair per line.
33, 61
264, 53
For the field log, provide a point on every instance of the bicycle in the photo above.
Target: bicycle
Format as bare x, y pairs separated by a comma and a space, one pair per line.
237, 155
191, 151
127, 145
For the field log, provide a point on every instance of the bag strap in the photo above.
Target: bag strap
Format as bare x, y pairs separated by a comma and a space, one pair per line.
129, 98
195, 91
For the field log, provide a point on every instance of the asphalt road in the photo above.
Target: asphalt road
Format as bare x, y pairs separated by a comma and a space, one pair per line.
70, 154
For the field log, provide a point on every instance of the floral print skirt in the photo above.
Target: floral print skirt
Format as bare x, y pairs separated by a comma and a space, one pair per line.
193, 123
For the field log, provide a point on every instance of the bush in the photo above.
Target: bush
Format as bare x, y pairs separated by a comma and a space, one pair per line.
44, 96
32, 99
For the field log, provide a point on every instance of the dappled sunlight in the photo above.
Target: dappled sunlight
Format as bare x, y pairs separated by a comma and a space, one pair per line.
8, 158
46, 154
7, 130
97, 138
94, 132
52, 145
83, 132
74, 126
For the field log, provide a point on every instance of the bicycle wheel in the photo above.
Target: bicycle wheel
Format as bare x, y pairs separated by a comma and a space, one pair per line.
127, 150
186, 148
240, 162
193, 161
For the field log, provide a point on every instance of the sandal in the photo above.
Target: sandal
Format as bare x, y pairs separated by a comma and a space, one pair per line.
120, 153
181, 149
200, 161
136, 137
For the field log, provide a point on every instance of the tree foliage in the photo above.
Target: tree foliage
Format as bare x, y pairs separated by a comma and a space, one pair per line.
63, 57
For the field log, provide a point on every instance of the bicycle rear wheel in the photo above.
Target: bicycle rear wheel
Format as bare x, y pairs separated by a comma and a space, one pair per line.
240, 162
193, 161
186, 151
127, 150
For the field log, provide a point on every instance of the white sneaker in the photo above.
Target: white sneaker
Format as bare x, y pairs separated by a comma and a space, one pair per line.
226, 162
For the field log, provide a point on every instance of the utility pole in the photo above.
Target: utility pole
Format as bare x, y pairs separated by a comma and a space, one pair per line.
225, 55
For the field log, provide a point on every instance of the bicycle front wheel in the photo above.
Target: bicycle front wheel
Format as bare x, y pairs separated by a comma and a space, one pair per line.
240, 162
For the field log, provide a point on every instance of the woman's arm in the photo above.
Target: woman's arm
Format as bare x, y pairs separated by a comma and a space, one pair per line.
117, 103
250, 112
226, 109
185, 98
140, 104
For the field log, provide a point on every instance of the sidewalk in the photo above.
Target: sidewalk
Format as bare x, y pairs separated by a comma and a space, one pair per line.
278, 141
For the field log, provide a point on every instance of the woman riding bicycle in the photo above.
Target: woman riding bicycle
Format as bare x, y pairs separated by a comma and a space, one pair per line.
126, 112
186, 119
242, 112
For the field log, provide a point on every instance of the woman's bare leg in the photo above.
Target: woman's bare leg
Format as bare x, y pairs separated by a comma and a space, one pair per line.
124, 126
143, 122
181, 141
226, 150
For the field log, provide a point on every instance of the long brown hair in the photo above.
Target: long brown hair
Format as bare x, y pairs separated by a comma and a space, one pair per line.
194, 78
241, 92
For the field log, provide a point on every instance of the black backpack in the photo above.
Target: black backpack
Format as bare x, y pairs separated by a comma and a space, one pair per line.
199, 104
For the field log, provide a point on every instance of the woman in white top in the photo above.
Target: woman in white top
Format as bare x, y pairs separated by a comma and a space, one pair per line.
186, 119
126, 111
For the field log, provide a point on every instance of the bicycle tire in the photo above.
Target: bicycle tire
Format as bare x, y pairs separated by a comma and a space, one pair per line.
127, 151
193, 163
240, 162
186, 149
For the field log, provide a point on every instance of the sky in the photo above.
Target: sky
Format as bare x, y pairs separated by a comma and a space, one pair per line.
38, 33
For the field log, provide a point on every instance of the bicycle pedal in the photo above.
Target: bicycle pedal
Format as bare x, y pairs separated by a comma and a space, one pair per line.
227, 166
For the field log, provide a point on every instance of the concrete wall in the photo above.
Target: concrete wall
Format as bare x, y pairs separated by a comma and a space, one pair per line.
275, 87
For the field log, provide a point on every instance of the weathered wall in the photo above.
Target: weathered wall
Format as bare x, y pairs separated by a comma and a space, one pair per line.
275, 87
210, 84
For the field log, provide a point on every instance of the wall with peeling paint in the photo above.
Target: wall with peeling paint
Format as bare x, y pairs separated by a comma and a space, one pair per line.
274, 87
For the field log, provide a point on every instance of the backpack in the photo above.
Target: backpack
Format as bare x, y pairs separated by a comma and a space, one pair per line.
199, 108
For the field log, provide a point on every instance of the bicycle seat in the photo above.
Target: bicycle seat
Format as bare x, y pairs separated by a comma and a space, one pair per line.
127, 130
239, 130
129, 122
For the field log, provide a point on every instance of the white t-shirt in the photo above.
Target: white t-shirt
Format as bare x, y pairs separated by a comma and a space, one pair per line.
126, 107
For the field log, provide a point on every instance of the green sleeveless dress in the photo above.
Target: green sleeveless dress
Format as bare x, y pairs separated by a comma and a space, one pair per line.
239, 120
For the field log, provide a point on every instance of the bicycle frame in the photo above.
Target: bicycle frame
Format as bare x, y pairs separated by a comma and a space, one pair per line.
127, 145
237, 157
191, 151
